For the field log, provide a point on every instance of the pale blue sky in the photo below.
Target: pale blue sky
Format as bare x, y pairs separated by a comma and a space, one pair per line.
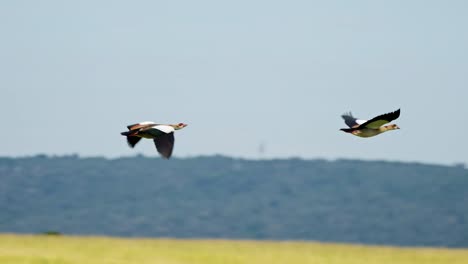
240, 73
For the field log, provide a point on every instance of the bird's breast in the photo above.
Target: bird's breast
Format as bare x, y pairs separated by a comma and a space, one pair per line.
366, 132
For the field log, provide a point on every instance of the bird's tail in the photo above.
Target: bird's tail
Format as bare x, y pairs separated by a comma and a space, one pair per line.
126, 133
347, 130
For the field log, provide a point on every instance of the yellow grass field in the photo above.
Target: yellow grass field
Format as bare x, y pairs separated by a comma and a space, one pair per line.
40, 249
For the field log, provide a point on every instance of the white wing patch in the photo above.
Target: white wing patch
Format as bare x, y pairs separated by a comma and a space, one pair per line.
147, 123
164, 128
360, 121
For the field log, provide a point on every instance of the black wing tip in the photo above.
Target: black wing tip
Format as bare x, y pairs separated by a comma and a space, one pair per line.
390, 116
346, 114
396, 114
165, 157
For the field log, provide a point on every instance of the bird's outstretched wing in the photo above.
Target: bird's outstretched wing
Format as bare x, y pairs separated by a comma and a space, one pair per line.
380, 120
164, 144
349, 119
132, 140
352, 121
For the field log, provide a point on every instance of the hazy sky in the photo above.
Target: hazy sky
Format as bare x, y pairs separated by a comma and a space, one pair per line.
240, 73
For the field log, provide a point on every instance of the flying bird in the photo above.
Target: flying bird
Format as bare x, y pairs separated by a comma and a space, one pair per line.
372, 127
162, 135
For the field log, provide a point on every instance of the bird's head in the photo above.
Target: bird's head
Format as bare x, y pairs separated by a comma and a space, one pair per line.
179, 126
393, 127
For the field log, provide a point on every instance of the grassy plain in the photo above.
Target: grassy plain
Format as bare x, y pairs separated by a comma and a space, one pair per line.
41, 249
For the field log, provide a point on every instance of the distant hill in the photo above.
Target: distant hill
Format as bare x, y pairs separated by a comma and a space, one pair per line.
355, 201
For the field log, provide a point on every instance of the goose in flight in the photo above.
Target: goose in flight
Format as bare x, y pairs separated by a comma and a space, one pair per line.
372, 127
162, 135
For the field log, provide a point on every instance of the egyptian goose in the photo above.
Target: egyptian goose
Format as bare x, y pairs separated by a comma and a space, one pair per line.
162, 135
370, 128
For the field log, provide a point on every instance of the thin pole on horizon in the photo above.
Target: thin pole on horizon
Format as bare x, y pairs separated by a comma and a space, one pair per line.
261, 150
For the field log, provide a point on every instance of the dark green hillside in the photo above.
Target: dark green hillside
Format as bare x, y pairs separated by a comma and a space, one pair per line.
347, 201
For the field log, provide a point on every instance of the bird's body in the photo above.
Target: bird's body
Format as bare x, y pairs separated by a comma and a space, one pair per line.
369, 132
162, 135
372, 127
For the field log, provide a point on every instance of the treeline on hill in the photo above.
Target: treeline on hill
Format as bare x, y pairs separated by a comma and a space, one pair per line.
218, 197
